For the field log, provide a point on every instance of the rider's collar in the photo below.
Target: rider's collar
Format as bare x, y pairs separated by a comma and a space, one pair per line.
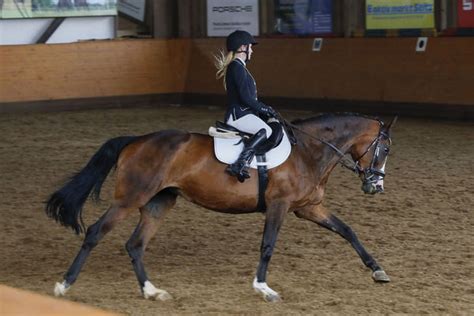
241, 60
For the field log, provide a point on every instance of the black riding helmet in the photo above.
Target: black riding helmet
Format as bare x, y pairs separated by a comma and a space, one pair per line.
239, 38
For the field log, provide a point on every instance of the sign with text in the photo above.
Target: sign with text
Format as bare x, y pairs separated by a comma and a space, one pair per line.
466, 13
399, 14
303, 16
25, 9
226, 16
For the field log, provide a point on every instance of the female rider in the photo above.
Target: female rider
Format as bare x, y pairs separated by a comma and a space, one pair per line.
244, 111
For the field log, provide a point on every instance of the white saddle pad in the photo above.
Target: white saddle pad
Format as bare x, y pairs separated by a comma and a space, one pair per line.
227, 150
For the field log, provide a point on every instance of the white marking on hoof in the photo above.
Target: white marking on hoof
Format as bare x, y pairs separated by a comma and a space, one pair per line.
151, 292
60, 289
269, 295
380, 276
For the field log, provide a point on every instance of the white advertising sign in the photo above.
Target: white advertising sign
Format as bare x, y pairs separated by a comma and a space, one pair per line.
133, 8
226, 16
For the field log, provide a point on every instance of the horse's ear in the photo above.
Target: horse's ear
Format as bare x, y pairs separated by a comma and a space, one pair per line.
390, 125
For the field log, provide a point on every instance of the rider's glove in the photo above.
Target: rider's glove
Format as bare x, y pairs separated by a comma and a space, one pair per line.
269, 111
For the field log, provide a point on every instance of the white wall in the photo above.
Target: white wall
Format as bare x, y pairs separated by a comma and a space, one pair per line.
28, 31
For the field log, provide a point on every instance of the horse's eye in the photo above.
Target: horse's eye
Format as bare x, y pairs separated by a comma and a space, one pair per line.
386, 150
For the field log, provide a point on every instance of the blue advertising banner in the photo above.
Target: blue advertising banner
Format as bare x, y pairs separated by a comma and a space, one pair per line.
322, 16
303, 16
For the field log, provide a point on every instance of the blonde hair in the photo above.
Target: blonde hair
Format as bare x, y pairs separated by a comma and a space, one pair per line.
221, 61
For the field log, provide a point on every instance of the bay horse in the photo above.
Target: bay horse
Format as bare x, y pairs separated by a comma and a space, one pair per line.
153, 170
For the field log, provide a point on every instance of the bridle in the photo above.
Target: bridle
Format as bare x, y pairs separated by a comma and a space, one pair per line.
371, 174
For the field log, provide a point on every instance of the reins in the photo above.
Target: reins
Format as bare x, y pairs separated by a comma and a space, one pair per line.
343, 160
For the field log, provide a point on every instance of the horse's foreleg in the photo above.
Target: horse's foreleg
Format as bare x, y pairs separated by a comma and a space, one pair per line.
273, 220
94, 234
327, 220
151, 214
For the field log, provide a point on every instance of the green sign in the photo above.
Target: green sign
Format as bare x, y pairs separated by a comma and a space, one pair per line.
24, 9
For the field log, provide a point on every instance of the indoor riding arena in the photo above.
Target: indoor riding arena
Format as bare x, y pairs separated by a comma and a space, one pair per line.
76, 75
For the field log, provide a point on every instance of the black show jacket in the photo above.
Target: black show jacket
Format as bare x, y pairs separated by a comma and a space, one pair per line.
241, 91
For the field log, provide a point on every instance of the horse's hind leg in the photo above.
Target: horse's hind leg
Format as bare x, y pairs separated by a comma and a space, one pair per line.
94, 234
151, 214
327, 220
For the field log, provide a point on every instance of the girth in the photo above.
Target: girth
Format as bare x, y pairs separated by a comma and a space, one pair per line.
262, 183
273, 141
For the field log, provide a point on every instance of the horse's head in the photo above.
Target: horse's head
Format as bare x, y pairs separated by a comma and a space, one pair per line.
370, 156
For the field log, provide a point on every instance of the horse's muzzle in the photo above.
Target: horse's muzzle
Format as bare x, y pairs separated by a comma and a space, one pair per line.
372, 187
372, 181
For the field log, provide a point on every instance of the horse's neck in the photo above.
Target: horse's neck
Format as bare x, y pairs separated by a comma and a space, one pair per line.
341, 132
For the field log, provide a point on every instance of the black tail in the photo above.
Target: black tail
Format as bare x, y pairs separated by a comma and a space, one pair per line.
65, 205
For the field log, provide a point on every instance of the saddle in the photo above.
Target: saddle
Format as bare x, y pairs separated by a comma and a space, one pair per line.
229, 143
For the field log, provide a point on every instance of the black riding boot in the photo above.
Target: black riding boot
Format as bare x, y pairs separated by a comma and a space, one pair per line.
239, 168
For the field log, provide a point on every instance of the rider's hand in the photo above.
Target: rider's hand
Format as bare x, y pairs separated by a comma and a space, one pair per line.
269, 111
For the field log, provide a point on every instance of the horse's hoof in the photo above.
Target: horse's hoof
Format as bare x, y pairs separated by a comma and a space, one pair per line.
380, 276
272, 298
268, 294
60, 289
150, 292
161, 295
165, 296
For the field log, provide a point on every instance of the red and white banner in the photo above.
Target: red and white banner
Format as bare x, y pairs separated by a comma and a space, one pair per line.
465, 13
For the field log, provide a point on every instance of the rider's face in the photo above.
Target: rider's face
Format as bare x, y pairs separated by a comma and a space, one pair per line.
243, 48
250, 51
